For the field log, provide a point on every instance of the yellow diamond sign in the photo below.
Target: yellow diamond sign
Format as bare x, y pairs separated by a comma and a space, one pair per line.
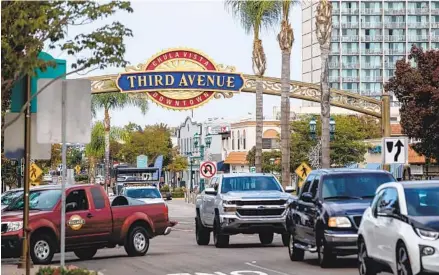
34, 172
303, 170
78, 169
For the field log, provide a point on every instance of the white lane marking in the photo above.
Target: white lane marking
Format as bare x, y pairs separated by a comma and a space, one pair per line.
247, 271
266, 269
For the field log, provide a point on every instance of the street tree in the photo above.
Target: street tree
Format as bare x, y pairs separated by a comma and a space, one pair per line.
30, 26
253, 16
177, 165
268, 166
115, 101
74, 157
416, 86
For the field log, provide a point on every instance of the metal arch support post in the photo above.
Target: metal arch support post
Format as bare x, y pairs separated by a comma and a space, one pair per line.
202, 148
385, 120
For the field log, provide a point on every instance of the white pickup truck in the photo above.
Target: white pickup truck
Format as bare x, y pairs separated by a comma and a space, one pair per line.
246, 203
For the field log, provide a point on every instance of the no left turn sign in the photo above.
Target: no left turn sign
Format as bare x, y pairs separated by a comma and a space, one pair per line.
207, 169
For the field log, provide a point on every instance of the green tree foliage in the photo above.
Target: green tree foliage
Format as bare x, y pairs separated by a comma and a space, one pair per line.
417, 89
268, 165
178, 164
347, 146
29, 26
74, 157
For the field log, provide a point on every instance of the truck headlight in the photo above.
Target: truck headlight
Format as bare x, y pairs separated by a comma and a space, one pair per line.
14, 226
341, 222
427, 235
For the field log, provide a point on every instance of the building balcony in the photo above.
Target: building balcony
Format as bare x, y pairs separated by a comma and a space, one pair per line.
418, 24
370, 93
418, 11
350, 25
394, 11
372, 25
349, 11
335, 11
394, 51
435, 24
416, 38
335, 25
434, 11
350, 79
333, 65
350, 65
435, 38
391, 65
335, 38
372, 78
395, 25
372, 51
369, 38
334, 79
371, 11
335, 52
355, 91
371, 65
349, 38
350, 52
395, 38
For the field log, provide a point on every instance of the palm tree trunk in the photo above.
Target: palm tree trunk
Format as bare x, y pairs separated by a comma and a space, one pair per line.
107, 147
91, 172
259, 124
285, 118
325, 109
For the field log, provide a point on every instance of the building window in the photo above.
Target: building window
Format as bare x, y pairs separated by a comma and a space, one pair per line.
239, 140
233, 141
270, 143
243, 140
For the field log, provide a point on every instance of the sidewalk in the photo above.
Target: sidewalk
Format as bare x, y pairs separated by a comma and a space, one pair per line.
12, 269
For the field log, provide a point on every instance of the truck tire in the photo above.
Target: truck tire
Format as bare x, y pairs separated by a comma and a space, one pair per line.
220, 240
266, 237
137, 243
325, 256
42, 249
85, 253
285, 239
296, 254
202, 233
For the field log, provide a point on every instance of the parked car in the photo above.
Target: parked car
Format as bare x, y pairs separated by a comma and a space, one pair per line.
99, 180
326, 216
400, 230
245, 203
143, 192
91, 223
47, 178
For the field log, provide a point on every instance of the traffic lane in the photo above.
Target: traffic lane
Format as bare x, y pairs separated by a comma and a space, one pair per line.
178, 253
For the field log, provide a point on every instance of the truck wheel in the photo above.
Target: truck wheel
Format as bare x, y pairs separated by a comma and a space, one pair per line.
85, 254
296, 254
137, 243
266, 237
286, 239
325, 255
42, 249
202, 233
219, 239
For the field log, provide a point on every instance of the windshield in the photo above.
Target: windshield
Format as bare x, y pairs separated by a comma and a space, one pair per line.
38, 200
8, 197
143, 193
353, 185
252, 183
422, 201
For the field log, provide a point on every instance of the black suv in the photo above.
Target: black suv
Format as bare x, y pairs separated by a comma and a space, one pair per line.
325, 217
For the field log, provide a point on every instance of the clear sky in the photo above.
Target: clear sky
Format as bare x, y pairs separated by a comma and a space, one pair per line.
205, 26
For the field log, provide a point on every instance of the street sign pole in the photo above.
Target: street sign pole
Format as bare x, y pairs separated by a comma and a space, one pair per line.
64, 172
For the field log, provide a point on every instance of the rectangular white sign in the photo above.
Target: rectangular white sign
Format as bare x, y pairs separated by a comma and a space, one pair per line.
395, 150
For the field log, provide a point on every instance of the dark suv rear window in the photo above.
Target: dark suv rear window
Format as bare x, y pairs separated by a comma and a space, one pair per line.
353, 184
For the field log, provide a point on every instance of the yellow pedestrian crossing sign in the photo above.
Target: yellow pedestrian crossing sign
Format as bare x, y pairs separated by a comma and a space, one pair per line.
303, 170
35, 172
78, 169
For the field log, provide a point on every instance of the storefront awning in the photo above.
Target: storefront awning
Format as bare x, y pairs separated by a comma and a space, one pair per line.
236, 158
374, 166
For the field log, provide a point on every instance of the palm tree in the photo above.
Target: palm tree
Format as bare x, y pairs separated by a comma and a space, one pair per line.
253, 16
95, 150
286, 39
323, 32
114, 101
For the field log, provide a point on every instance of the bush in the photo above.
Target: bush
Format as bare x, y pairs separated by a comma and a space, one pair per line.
177, 194
49, 270
81, 178
179, 190
164, 189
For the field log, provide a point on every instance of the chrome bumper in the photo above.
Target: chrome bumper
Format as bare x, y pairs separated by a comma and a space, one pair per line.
167, 231
341, 238
235, 221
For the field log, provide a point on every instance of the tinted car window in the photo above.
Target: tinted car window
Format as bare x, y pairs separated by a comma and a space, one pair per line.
307, 184
422, 201
251, 183
98, 199
143, 193
315, 186
353, 184
389, 200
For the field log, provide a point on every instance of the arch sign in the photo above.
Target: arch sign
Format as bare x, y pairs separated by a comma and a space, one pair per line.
207, 169
180, 79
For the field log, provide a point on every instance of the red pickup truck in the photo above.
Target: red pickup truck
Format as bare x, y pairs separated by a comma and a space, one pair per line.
91, 223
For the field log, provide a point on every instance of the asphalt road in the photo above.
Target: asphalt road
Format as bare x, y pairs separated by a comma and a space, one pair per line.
178, 254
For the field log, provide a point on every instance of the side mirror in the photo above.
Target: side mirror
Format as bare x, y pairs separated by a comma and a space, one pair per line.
289, 189
307, 197
388, 212
210, 191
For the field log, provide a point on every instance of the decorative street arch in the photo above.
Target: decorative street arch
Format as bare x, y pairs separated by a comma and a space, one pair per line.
182, 79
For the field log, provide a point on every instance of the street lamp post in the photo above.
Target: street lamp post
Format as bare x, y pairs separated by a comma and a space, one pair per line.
202, 147
191, 162
315, 153
272, 164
